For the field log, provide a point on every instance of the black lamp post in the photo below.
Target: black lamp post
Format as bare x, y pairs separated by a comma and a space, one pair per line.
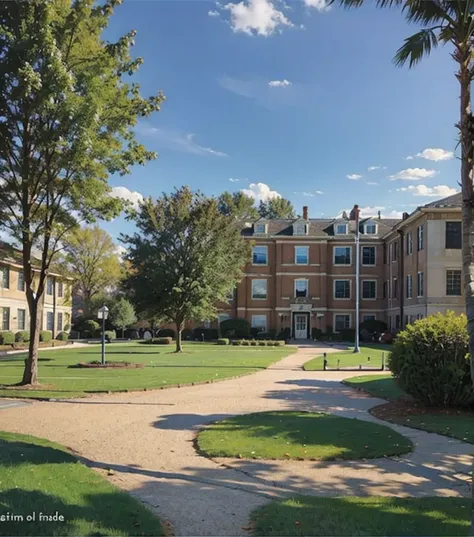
103, 313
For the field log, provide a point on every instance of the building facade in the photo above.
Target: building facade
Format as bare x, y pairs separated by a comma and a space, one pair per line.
303, 271
14, 314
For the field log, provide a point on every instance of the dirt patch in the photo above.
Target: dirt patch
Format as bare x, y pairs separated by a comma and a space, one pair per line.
399, 411
107, 365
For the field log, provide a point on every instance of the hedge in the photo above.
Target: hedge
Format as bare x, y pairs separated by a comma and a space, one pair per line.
209, 334
7, 338
223, 341
22, 336
239, 328
62, 336
46, 336
159, 341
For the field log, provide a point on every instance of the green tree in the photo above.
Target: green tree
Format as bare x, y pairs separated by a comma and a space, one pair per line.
122, 314
276, 208
67, 118
186, 257
237, 205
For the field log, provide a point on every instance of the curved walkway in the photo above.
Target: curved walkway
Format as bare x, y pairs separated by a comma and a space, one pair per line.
144, 442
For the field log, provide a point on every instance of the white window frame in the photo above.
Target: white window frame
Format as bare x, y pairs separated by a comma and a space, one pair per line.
374, 264
60, 321
266, 288
307, 255
49, 281
60, 290
420, 273
300, 229
342, 315
334, 289
266, 256
256, 231
337, 232
23, 327
420, 238
409, 243
20, 279
334, 256
409, 287
5, 277
370, 224
49, 315
372, 316
362, 289
3, 317
307, 286
460, 287
262, 316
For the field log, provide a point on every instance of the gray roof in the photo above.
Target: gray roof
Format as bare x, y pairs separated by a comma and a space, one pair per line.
450, 202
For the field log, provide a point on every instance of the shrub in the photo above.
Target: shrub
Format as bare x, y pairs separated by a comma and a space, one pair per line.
431, 362
239, 328
67, 327
253, 343
316, 333
329, 329
285, 334
223, 341
62, 336
166, 332
23, 336
159, 341
74, 334
90, 326
374, 325
348, 334
366, 335
280, 343
237, 342
7, 338
187, 334
46, 336
209, 334
269, 334
110, 335
262, 343
386, 337
245, 343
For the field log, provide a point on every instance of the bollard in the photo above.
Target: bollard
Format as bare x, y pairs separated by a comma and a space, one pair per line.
360, 367
338, 364
325, 364
203, 338
368, 359
383, 361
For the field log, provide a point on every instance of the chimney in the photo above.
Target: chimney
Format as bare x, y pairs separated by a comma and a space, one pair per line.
305, 212
379, 215
405, 216
354, 213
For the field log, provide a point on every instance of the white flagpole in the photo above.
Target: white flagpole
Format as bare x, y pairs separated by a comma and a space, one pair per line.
357, 282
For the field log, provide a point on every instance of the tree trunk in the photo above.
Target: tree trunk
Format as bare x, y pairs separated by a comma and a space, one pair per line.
179, 330
123, 332
467, 161
30, 374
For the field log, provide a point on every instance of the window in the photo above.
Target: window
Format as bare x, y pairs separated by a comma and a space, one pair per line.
370, 229
260, 228
395, 288
207, 323
369, 289
5, 319
420, 284
341, 229
49, 286
60, 289
301, 288
300, 229
385, 289
366, 318
260, 255
60, 322
259, 321
21, 281
453, 282
368, 255
419, 238
342, 289
5, 275
50, 321
342, 322
301, 255
394, 251
409, 243
397, 322
453, 235
409, 286
259, 289
21, 317
342, 255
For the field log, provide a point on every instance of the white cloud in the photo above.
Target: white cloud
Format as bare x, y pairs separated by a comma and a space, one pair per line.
372, 212
279, 83
256, 17
260, 192
121, 251
310, 194
213, 13
372, 183
320, 192
354, 176
373, 168
180, 141
413, 174
440, 191
320, 5
233, 180
122, 192
434, 154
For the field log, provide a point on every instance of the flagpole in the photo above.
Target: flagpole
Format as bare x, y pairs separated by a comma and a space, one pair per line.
357, 282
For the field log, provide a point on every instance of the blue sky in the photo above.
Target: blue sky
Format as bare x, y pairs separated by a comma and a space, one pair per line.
290, 98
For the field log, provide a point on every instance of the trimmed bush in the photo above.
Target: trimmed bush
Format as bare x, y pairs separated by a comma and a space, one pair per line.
316, 333
262, 343
237, 342
187, 334
23, 336
7, 338
348, 334
374, 325
46, 336
239, 328
62, 336
209, 334
285, 334
253, 342
74, 334
269, 334
90, 326
159, 341
166, 332
280, 343
431, 362
245, 343
386, 337
110, 335
223, 341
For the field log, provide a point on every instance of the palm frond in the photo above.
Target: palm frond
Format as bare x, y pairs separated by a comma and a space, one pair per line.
427, 12
416, 46
359, 3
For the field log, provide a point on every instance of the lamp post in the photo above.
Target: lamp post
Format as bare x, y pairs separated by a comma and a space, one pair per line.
357, 279
103, 313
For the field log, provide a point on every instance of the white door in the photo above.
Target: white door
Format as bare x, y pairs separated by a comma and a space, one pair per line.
301, 326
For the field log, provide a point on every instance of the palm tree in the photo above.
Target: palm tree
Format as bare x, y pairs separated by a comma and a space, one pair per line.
448, 22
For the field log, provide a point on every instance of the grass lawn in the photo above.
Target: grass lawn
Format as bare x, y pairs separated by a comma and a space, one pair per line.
383, 386
300, 435
37, 476
374, 516
199, 362
347, 359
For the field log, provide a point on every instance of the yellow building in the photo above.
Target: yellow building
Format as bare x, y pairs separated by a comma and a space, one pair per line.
14, 315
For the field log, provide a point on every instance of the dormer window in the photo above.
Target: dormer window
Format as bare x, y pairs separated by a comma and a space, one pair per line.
300, 229
260, 228
370, 228
341, 229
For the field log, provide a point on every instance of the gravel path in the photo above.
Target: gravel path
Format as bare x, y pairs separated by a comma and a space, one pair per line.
145, 440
